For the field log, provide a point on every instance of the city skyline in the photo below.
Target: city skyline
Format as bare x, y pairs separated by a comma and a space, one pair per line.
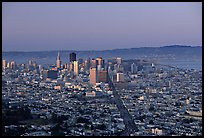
101, 69
99, 26
94, 97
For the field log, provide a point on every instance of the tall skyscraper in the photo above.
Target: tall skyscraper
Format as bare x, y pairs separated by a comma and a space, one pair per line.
133, 68
76, 68
93, 76
87, 63
13, 65
65, 66
3, 64
30, 62
100, 62
9, 64
72, 57
102, 76
40, 67
71, 68
94, 63
120, 77
58, 61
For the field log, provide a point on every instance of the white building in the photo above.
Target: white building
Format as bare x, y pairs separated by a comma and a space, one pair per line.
76, 68
120, 77
133, 68
91, 94
157, 131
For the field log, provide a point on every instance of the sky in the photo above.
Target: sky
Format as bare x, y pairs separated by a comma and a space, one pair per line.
44, 26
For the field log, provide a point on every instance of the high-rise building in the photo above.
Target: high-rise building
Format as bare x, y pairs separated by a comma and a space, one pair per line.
58, 61
133, 68
72, 57
87, 63
114, 77
100, 63
93, 76
102, 76
40, 67
32, 65
120, 77
13, 65
9, 64
118, 68
99, 67
71, 68
76, 68
3, 64
65, 66
94, 63
30, 62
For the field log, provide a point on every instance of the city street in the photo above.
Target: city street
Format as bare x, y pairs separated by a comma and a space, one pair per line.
130, 126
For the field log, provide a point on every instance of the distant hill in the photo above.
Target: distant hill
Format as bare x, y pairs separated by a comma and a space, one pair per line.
169, 52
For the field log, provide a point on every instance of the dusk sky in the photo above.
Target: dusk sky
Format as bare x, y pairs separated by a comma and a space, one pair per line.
99, 26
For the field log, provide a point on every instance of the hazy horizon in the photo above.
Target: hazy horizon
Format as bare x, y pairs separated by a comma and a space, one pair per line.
79, 26
97, 50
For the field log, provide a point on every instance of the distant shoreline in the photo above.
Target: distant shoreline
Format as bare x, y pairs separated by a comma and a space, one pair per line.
169, 46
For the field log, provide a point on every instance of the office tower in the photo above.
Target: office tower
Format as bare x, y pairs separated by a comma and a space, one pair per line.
114, 77
94, 63
72, 57
58, 61
119, 60
9, 64
93, 76
133, 68
30, 62
76, 68
120, 68
71, 68
102, 76
101, 63
65, 66
99, 67
40, 67
116, 67
120, 77
3, 64
12, 65
109, 69
87, 64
